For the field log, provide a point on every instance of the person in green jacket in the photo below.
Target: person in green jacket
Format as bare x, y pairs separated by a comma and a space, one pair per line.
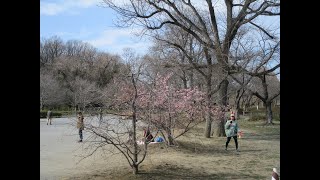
231, 128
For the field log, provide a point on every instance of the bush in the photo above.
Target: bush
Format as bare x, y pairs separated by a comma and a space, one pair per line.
43, 114
254, 109
257, 117
65, 113
276, 118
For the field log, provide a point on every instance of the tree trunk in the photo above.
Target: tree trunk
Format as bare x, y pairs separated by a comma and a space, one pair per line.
41, 103
220, 132
135, 169
269, 113
168, 131
243, 111
191, 79
223, 93
207, 131
135, 150
208, 125
238, 102
248, 102
212, 127
170, 139
134, 120
238, 98
185, 82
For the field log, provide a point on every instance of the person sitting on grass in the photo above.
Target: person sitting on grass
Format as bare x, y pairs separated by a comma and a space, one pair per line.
147, 135
130, 137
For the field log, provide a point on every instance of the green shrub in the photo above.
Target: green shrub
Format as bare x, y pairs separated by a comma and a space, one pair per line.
65, 113
257, 117
276, 118
43, 114
259, 114
275, 109
254, 109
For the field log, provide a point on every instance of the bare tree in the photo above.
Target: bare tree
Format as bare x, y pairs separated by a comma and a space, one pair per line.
193, 56
120, 133
204, 25
268, 91
78, 69
239, 92
82, 93
268, 88
126, 96
105, 68
74, 75
50, 91
82, 50
171, 55
50, 49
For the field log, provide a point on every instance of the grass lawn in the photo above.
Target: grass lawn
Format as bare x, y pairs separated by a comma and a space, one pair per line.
197, 157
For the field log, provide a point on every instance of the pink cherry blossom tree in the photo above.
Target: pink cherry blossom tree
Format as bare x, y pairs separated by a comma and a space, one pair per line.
168, 110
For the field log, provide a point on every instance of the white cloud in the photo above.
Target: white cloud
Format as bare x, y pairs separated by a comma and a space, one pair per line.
82, 34
60, 6
115, 40
138, 47
109, 37
86, 3
50, 8
54, 8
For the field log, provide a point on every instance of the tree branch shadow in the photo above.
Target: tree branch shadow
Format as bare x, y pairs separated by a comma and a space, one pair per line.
199, 148
168, 171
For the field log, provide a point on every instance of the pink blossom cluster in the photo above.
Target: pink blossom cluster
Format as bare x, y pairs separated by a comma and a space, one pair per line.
165, 101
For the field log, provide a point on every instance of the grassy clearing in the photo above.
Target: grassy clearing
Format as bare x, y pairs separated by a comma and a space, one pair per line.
260, 114
197, 157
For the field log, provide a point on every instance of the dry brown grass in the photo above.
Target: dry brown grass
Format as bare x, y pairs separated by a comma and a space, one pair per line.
197, 157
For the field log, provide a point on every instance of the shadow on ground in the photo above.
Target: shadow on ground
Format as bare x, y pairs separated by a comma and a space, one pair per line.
271, 137
173, 172
193, 147
165, 172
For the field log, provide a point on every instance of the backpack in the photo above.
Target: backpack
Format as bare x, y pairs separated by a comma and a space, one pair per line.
159, 139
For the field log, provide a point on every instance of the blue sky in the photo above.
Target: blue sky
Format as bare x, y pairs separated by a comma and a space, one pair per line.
86, 20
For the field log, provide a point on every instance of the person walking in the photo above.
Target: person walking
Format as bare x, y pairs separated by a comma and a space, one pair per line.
49, 117
100, 116
231, 129
80, 125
